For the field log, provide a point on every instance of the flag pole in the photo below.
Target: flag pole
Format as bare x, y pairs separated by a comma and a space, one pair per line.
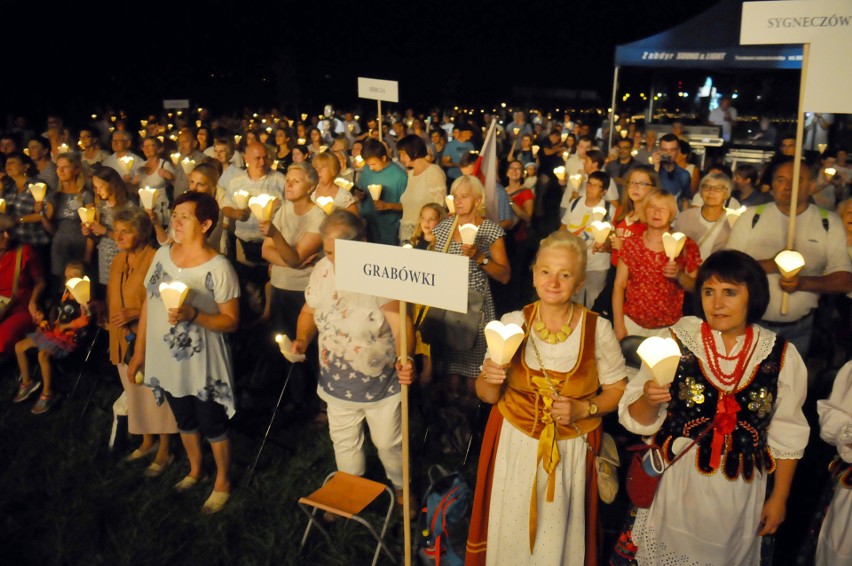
797, 164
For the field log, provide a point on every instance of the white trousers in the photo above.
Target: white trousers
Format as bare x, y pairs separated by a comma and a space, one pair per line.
346, 426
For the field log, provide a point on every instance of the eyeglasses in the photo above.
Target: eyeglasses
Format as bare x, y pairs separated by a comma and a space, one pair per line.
639, 184
713, 188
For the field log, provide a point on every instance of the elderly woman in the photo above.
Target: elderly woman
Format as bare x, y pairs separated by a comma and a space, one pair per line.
182, 351
567, 373
291, 245
22, 283
110, 196
125, 297
426, 183
649, 288
712, 506
707, 225
488, 259
203, 179
359, 337
68, 243
327, 168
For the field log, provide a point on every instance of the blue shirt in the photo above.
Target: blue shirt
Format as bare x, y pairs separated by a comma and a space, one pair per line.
383, 226
677, 182
455, 149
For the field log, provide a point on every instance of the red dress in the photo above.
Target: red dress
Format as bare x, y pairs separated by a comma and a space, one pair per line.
651, 299
18, 321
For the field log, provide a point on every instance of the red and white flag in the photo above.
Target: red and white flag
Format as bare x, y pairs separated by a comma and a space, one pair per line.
486, 171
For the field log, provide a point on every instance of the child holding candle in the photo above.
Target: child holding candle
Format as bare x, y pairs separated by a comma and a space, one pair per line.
53, 339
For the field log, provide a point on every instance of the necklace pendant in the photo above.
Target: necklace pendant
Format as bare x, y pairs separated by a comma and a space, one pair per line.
551, 339
561, 337
539, 327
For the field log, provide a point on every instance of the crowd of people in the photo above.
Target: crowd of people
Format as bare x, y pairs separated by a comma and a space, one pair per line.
226, 224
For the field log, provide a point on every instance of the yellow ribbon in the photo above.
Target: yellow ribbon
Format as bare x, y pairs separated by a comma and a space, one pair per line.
548, 455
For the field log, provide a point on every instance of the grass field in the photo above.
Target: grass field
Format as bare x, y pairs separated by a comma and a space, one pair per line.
65, 499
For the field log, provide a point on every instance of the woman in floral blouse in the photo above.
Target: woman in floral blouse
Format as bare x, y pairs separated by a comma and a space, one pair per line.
182, 351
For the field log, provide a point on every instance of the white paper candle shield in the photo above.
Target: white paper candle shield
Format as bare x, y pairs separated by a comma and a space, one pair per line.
830, 172
359, 161
344, 184
63, 148
80, 289
173, 294
286, 347
147, 196
451, 204
576, 179
600, 231
673, 244
301, 141
326, 203
2, 206
175, 157
261, 206
789, 263
241, 199
468, 233
187, 165
127, 163
733, 214
559, 172
375, 191
822, 147
598, 213
87, 215
275, 165
503, 341
662, 356
535, 150
38, 190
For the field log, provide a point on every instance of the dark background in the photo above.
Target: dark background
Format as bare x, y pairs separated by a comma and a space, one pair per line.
77, 58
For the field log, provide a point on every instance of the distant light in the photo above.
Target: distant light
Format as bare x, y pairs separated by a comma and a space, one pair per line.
685, 94
735, 95
502, 105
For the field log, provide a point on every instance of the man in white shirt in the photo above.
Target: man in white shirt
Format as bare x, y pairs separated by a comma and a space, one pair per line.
257, 179
761, 232
121, 149
187, 146
725, 116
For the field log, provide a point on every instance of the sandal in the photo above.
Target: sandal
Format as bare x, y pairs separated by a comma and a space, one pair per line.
25, 391
215, 502
156, 469
139, 453
187, 483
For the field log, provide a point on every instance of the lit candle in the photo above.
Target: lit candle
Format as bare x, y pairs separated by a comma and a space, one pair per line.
2, 206
468, 233
285, 346
173, 294
38, 190
375, 191
261, 206
830, 172
187, 165
326, 203
503, 341
673, 244
576, 180
63, 148
733, 214
600, 231
127, 162
146, 197
87, 215
598, 213
344, 184
451, 205
175, 157
80, 289
560, 173
241, 199
662, 356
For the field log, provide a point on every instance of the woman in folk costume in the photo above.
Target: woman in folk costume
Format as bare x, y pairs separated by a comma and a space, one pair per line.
536, 491
736, 404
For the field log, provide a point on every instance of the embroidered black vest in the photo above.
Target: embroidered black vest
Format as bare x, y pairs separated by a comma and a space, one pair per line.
693, 407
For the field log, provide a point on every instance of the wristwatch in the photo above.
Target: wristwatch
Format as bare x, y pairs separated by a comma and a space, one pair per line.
593, 409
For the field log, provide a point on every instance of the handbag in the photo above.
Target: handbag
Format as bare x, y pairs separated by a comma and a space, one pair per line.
6, 302
456, 329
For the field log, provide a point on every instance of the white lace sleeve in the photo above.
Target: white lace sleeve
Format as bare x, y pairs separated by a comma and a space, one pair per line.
789, 430
610, 361
835, 414
631, 395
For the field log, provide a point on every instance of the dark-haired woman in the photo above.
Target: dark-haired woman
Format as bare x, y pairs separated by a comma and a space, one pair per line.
110, 196
738, 390
426, 183
182, 351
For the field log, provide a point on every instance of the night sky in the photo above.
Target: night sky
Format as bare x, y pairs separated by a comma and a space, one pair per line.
226, 55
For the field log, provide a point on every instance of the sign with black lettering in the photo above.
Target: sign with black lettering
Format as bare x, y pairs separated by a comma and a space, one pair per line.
378, 89
827, 26
415, 276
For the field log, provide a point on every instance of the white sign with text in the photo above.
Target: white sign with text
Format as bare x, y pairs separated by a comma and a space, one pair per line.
405, 274
827, 26
175, 103
378, 89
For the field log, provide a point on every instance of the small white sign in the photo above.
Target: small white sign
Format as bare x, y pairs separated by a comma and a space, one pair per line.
378, 89
175, 103
405, 274
827, 26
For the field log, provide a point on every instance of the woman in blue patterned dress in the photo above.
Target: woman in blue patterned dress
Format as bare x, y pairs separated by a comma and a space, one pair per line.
183, 351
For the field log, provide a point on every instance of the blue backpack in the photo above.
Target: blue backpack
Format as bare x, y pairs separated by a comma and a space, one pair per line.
445, 503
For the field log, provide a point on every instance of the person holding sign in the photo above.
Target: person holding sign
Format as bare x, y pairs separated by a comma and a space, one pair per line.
181, 349
549, 396
486, 251
360, 374
736, 402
